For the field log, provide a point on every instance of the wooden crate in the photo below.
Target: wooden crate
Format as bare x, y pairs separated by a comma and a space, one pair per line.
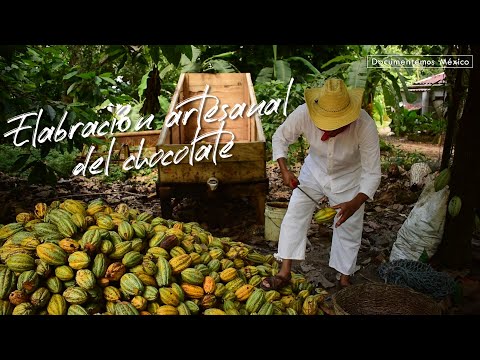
125, 144
244, 172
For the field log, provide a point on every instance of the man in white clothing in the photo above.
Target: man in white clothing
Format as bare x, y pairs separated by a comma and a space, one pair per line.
343, 164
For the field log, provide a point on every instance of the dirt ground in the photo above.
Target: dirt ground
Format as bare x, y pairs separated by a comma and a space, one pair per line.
236, 218
432, 150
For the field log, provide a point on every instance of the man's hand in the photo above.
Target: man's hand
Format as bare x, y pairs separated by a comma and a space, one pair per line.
348, 208
288, 177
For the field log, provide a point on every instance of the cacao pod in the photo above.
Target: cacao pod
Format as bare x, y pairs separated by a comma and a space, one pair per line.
324, 215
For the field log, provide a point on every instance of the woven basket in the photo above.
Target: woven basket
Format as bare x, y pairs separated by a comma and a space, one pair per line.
383, 299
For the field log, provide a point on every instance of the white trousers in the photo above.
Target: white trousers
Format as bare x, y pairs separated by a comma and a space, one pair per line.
346, 238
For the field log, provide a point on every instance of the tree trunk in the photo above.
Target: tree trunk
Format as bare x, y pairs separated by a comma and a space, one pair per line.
454, 80
455, 251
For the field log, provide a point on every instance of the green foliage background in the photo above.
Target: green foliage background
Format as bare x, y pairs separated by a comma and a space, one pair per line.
82, 80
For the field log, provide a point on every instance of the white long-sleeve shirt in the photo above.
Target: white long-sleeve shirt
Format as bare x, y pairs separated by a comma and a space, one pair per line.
347, 160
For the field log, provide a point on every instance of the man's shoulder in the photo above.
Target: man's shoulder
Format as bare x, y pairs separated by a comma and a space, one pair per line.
301, 109
364, 119
300, 113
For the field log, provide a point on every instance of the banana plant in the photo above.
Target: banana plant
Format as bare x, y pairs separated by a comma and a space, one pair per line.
354, 70
213, 64
281, 69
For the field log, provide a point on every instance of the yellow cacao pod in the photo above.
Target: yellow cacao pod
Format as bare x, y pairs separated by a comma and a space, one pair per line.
325, 215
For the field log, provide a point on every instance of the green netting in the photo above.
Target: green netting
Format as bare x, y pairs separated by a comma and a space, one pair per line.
419, 276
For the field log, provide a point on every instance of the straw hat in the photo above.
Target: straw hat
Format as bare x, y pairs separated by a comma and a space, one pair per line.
333, 105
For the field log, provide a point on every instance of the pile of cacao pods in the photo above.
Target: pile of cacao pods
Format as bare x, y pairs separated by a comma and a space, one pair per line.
86, 258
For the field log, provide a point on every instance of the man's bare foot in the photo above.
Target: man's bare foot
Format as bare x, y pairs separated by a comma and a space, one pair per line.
345, 280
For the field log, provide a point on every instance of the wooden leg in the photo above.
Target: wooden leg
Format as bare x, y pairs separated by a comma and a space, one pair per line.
260, 208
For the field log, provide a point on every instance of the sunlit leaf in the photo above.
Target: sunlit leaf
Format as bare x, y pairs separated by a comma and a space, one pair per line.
222, 66
71, 74
283, 71
71, 88
87, 75
143, 83
109, 80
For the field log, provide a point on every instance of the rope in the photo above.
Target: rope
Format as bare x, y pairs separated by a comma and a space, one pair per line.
418, 276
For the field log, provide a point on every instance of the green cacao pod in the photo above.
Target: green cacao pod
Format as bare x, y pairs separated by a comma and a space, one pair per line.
80, 221
52, 254
150, 293
255, 280
111, 293
164, 273
208, 301
91, 240
6, 307
119, 250
99, 267
54, 285
192, 276
454, 206
64, 272
177, 289
24, 309
40, 297
193, 307
105, 222
203, 269
21, 262
28, 281
75, 295
139, 230
57, 305
442, 179
157, 251
85, 279
74, 206
126, 231
79, 260
149, 266
132, 258
131, 284
324, 215
168, 296
8, 230
255, 301
138, 244
106, 247
125, 308
213, 311
266, 309
8, 281
234, 284
183, 309
76, 309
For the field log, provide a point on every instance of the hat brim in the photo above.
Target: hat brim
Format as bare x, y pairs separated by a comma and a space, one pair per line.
326, 120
